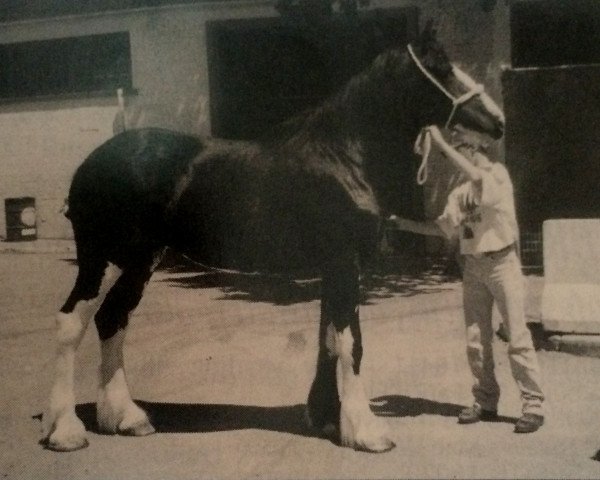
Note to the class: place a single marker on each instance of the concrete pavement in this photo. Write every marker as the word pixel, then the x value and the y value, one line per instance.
pixel 224 367
pixel 577 344
pixel 41 245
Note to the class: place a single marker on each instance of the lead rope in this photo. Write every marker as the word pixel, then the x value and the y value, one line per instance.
pixel 221 270
pixel 254 274
pixel 423 148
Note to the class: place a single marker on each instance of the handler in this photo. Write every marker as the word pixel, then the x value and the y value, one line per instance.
pixel 482 212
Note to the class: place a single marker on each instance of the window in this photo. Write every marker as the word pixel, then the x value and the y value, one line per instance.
pixel 555 32
pixel 91 63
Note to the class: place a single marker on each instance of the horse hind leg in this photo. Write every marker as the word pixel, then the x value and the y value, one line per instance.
pixel 62 429
pixel 116 410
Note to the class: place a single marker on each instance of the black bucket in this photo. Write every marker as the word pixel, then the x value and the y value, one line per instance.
pixel 21 219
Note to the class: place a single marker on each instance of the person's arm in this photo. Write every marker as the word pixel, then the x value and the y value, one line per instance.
pixel 459 160
pixel 422 228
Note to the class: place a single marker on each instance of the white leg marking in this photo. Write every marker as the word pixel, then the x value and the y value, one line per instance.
pixel 359 427
pixel 116 411
pixel 61 428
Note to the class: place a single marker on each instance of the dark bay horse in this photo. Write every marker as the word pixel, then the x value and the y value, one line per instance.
pixel 309 195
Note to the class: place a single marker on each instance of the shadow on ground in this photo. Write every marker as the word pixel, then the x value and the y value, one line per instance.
pixel 206 418
pixel 403 406
pixel 376 283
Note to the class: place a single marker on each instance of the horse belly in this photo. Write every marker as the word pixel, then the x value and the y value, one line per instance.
pixel 233 237
pixel 229 217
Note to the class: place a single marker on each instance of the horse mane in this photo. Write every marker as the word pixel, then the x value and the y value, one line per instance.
pixel 365 97
pixel 337 113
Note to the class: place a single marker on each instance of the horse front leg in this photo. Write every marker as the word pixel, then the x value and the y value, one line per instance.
pixel 341 341
pixel 323 405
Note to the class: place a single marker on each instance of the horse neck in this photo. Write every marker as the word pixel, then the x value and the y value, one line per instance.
pixel 359 113
pixel 385 129
pixel 371 114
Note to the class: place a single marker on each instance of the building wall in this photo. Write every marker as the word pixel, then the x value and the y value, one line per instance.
pixel 42 142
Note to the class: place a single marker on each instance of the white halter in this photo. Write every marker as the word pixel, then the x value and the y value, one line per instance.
pixel 476 89
pixel 423 142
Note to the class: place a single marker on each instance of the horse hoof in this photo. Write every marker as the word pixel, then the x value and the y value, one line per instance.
pixel 65 445
pixel 64 434
pixel 374 445
pixel 380 446
pixel 139 429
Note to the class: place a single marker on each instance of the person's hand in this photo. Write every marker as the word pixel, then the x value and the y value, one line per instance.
pixel 436 135
pixel 468 201
pixel 399 223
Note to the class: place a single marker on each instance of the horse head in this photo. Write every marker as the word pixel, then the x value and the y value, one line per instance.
pixel 447 95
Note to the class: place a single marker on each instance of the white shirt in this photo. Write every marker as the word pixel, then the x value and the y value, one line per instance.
pixel 484 218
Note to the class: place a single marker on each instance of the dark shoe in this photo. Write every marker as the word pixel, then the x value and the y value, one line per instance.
pixel 502 333
pixel 529 423
pixel 475 414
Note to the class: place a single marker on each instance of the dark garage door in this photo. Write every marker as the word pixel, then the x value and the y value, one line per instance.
pixel 262 71
pixel 552 105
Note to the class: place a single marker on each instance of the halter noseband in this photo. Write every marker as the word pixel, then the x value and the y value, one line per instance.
pixel 477 89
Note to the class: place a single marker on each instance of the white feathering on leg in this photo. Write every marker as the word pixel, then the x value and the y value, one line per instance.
pixel 359 427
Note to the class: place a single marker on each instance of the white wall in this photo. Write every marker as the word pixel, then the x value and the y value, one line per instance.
pixel 42 142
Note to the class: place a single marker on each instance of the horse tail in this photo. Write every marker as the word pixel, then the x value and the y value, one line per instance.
pixel 65 208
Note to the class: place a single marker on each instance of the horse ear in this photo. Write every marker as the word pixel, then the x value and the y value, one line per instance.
pixel 432 54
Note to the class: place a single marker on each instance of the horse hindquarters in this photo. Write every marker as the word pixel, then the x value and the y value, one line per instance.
pixel 117 204
pixel 339 400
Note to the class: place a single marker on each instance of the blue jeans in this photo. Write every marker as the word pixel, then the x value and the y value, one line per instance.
pixel 498 277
